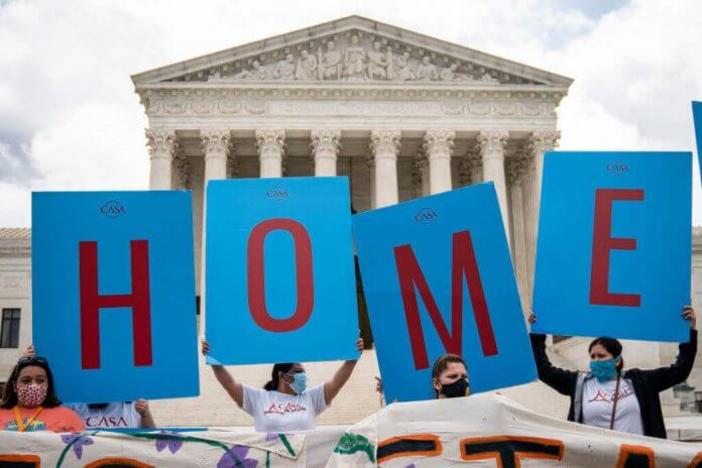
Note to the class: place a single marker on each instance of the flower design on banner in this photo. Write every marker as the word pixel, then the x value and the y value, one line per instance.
pixel 236 458
pixel 171 442
pixel 76 441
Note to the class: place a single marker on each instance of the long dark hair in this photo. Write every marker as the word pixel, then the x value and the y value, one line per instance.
pixel 613 347
pixel 275 379
pixel 9 393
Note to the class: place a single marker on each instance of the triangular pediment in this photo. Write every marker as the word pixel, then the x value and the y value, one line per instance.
pixel 351 50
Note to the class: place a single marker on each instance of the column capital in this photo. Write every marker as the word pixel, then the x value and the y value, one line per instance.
pixel 540 142
pixel 325 142
pixel 439 143
pixel 268 141
pixel 216 143
pixel 491 142
pixel 385 143
pixel 161 143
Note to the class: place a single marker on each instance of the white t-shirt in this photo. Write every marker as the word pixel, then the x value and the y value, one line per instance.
pixel 274 411
pixel 119 414
pixel 598 399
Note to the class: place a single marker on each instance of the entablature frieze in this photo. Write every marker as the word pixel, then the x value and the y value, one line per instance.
pixel 361 102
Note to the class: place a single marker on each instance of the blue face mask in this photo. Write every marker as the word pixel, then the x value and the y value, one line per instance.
pixel 604 370
pixel 299 384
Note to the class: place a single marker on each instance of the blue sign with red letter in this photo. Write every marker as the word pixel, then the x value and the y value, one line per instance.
pixel 113 294
pixel 697 118
pixel 438 279
pixel 613 253
pixel 281 283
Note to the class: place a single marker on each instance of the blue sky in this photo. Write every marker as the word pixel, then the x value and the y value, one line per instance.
pixel 69 118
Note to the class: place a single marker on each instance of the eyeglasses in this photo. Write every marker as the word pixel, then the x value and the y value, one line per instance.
pixel 32 359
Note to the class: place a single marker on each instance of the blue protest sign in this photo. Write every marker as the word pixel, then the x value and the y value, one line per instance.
pixel 280 275
pixel 113 294
pixel 697 118
pixel 613 253
pixel 438 279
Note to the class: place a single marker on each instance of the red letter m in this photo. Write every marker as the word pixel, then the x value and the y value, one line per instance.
pixel 463 264
pixel 91 302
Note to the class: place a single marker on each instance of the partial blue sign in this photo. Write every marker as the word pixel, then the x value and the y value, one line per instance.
pixel 281 283
pixel 113 294
pixel 438 279
pixel 613 253
pixel 697 117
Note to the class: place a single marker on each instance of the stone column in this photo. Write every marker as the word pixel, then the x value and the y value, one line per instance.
pixel 492 149
pixel 438 146
pixel 216 146
pixel 537 145
pixel 385 146
pixel 517 167
pixel 163 147
pixel 325 149
pixel 529 203
pixel 271 148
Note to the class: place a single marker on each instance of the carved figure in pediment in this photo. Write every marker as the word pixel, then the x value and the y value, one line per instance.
pixel 257 72
pixel 329 63
pixel 378 62
pixel 286 68
pixel 449 73
pixel 427 71
pixel 306 67
pixel 354 61
pixel 402 69
pixel 488 78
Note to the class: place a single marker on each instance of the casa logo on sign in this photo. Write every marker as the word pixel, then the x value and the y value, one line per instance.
pixel 112 209
pixel 425 216
pixel 277 193
pixel 617 168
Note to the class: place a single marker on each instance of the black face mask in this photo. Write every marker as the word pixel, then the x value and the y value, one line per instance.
pixel 97 406
pixel 457 389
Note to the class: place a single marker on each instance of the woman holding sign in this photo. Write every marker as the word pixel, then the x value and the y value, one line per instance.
pixel 29 402
pixel 285 404
pixel 609 396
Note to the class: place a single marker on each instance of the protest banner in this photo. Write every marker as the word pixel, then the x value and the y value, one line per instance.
pixel 614 240
pixel 697 120
pixel 280 283
pixel 113 294
pixel 438 279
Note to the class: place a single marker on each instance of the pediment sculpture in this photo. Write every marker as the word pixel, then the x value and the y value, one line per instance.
pixel 355 58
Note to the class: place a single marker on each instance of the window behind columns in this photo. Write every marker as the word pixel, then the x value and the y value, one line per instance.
pixel 9 329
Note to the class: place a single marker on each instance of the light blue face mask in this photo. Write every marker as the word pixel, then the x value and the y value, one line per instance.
pixel 604 370
pixel 299 383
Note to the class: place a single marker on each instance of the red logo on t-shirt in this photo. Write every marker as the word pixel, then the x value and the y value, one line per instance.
pixel 285 408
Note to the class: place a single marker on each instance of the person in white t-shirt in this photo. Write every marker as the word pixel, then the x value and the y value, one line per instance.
pixel 116 415
pixel 285 404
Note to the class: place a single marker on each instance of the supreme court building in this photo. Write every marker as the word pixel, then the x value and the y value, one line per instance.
pixel 400 114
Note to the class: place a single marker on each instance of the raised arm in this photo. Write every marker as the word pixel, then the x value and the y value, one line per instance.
pixel 561 380
pixel 341 376
pixel 147 420
pixel 665 377
pixel 225 379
